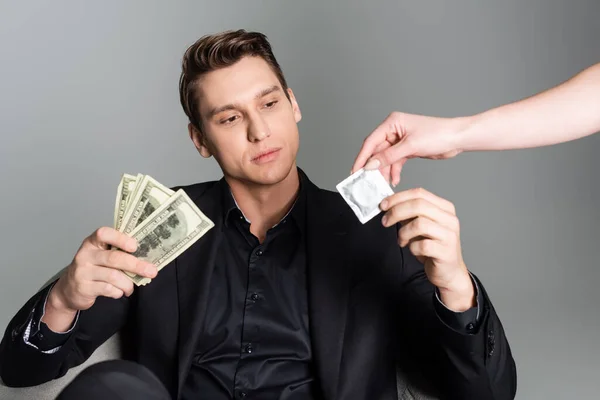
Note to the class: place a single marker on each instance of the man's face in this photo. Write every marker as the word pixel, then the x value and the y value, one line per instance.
pixel 249 125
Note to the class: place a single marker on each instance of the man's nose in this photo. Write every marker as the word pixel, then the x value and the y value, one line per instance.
pixel 258 129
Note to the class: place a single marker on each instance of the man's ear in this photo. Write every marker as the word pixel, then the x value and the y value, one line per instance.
pixel 295 106
pixel 199 141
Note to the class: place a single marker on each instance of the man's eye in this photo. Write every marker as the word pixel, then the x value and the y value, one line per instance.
pixel 271 104
pixel 229 120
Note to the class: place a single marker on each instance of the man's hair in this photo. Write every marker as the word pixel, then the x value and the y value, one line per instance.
pixel 213 52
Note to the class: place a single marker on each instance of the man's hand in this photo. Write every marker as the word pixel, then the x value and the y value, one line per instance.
pixel 431 231
pixel 402 136
pixel 95 271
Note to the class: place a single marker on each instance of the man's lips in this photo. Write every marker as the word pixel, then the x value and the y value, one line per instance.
pixel 264 155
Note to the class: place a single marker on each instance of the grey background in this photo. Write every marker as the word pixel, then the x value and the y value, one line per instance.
pixel 88 90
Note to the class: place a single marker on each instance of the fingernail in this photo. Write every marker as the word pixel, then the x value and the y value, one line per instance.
pixel 384 220
pixel 372 164
pixel 384 204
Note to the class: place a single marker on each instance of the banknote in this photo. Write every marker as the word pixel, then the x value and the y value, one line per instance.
pixel 124 194
pixel 363 191
pixel 148 196
pixel 169 231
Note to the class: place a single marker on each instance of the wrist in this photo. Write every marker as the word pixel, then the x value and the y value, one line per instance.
pixel 58 317
pixel 56 302
pixel 460 295
pixel 463 126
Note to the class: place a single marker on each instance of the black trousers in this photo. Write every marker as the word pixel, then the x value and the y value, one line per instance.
pixel 115 379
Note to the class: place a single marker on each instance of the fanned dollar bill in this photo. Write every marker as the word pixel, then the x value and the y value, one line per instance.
pixel 148 196
pixel 168 232
pixel 165 223
pixel 125 191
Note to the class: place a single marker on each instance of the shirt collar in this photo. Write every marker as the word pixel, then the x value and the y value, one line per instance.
pixel 297 212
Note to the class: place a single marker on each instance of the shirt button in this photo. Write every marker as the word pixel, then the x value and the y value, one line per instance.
pixel 254 297
pixel 40 335
pixel 470 326
pixel 242 395
pixel 248 349
pixel 259 253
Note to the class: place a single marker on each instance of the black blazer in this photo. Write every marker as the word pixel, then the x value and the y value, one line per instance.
pixel 370 306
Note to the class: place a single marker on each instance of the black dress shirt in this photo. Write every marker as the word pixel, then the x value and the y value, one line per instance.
pixel 255 342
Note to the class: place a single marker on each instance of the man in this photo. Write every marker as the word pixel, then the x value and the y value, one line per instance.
pixel 288 296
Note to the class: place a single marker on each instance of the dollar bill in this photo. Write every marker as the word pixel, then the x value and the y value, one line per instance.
pixel 148 197
pixel 134 186
pixel 169 231
pixel 124 194
pixel 363 191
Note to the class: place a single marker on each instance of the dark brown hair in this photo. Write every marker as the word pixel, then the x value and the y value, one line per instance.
pixel 212 52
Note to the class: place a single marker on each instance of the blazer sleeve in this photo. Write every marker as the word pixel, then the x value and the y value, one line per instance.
pixel 23 365
pixel 471 364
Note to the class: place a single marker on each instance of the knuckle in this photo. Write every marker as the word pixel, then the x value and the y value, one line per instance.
pixel 114 275
pixel 101 233
pixel 456 224
pixel 77 274
pixel 456 237
pixel 139 268
pixel 80 258
pixel 132 263
pixel 420 224
pixel 107 288
pixel 447 237
pixel 419 203
pixel 114 258
pixel 419 191
pixel 425 246
pixel 415 247
pixel 452 207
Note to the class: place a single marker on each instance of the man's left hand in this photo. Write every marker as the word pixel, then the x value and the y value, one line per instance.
pixel 431 230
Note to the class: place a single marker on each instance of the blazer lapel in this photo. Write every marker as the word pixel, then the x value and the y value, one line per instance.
pixel 194 268
pixel 328 286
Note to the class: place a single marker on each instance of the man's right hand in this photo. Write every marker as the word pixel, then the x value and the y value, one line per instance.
pixel 95 271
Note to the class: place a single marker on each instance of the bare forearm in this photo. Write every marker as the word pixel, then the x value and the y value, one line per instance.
pixel 566 112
